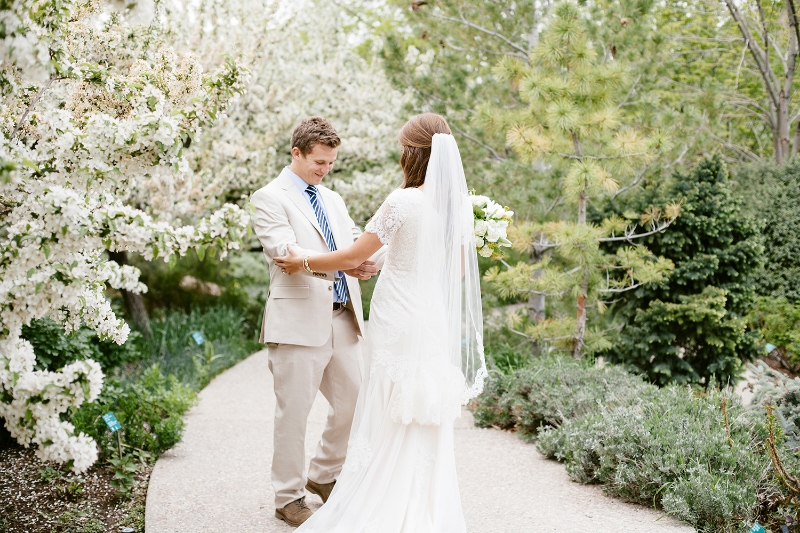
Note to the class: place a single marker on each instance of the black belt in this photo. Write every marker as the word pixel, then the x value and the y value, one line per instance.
pixel 338 305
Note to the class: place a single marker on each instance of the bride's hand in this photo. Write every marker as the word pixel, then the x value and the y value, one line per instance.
pixel 290 264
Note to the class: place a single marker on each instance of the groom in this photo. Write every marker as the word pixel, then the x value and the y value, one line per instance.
pixel 312 323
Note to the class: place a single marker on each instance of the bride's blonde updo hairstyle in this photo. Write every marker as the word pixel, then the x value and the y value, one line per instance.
pixel 416 139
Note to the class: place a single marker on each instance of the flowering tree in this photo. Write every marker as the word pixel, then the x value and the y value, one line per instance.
pixel 96 112
pixel 304 60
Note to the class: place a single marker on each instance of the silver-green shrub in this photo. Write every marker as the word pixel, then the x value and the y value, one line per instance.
pixel 670 447
pixel 776 389
pixel 667 447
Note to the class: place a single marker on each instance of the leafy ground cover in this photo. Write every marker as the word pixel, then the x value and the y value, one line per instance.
pixel 150 383
pixel 695 453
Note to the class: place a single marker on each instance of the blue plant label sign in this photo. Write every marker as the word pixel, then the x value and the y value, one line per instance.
pixel 769 347
pixel 112 422
pixel 757 528
pixel 198 338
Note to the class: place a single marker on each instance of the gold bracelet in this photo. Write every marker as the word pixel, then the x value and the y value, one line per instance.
pixel 306 267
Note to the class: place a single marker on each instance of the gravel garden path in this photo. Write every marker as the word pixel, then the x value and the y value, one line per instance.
pixel 217 479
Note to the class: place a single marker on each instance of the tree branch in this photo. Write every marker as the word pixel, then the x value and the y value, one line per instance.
pixel 30 107
pixel 770 81
pixel 741 150
pixel 598 157
pixel 792 7
pixel 522 51
pixel 495 155
pixel 624 289
pixel 631 235
pixel 630 92
pixel 632 184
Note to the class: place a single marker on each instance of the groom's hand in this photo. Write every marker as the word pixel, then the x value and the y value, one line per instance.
pixel 364 271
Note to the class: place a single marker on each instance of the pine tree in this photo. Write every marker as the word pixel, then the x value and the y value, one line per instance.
pixel 692 325
pixel 573 122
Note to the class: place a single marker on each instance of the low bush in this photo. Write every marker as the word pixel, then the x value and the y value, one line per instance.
pixel 150 395
pixel 55 349
pixel 149 409
pixel 783 393
pixel 670 447
pixel 229 338
pixel 778 323
pixel 550 391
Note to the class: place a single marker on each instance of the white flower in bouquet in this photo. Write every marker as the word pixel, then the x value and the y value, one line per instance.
pixel 491 224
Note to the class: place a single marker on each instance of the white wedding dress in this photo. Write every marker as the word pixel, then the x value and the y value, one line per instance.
pixel 400 471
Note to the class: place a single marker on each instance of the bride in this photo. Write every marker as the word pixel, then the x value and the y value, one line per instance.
pixel 426 348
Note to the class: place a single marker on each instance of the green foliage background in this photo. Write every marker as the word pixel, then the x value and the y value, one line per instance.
pixel 771 194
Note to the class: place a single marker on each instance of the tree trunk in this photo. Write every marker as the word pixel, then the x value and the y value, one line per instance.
pixel 783 128
pixel 134 302
pixel 580 330
pixel 536 303
pixel 796 145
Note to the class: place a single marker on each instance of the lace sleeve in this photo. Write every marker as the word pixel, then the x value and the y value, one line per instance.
pixel 387 220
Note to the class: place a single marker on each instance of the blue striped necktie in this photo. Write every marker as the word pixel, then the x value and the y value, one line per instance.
pixel 339 286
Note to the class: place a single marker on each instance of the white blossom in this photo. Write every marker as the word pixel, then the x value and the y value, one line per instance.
pixel 98 164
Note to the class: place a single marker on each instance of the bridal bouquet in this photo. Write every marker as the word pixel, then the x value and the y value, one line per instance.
pixel 491 223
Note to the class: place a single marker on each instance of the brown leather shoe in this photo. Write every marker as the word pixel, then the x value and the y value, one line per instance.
pixel 295 513
pixel 323 491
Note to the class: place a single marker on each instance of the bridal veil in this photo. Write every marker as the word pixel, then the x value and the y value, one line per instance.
pixel 444 340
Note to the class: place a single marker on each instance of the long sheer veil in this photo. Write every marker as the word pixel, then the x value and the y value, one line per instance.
pixel 444 342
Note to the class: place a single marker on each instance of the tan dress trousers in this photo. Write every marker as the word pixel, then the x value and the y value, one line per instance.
pixel 335 369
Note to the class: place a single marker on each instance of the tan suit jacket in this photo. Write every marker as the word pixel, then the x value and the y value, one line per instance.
pixel 298 309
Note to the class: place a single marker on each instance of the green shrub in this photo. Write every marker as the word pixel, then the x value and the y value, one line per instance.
pixel 149 409
pixel 150 395
pixel 771 193
pixel 778 322
pixel 667 447
pixel 670 447
pixel 171 347
pixel 692 327
pixel 243 278
pixel 550 391
pixel 367 288
pixel 54 348
pixel 507 358
pixel 489 409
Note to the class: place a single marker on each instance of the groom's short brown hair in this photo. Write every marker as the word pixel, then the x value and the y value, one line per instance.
pixel 313 131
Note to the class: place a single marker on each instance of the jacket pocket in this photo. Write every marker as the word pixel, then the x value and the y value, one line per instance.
pixel 289 291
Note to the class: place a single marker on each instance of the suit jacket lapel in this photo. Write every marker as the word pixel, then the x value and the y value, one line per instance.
pixel 296 197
